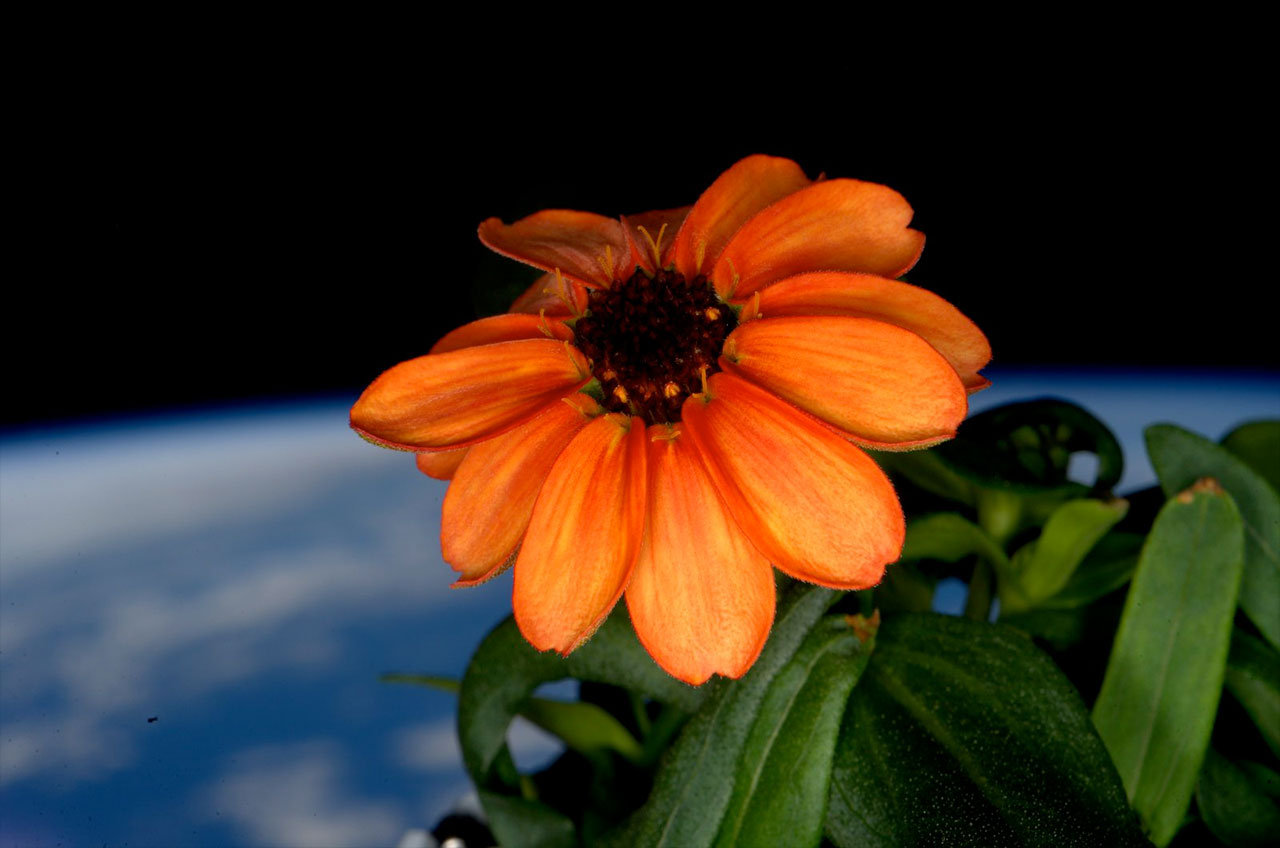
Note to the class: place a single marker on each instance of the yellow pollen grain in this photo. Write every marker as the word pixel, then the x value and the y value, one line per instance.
pixel 712 313
pixel 620 393
pixel 670 390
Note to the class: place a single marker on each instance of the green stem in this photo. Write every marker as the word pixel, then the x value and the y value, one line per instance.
pixel 978 603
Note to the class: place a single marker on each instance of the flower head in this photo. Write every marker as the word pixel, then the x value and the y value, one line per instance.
pixel 679 402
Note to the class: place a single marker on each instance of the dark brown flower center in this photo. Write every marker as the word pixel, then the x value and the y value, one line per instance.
pixel 649 339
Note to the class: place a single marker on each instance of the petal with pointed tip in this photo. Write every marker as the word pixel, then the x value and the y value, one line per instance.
pixel 455 399
pixel 868 296
pixel 809 500
pixel 879 383
pixel 838 225
pixel 487 508
pixel 701 596
pixel 513 326
pixel 661 226
pixel 584 535
pixel 737 194
pixel 441 464
pixel 580 244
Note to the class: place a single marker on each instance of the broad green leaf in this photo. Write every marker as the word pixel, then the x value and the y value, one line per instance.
pixel 521 823
pixel 1233 807
pixel 780 791
pixel 1044 566
pixel 1258 444
pixel 949 537
pixel 1253 678
pixel 926 469
pixel 964 733
pixel 696 777
pixel 1027 447
pixel 1164 677
pixel 585 728
pixel 505 670
pixel 1107 567
pixel 1180 458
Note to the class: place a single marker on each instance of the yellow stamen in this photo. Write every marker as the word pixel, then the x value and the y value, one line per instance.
pixel 620 393
pixel 712 313
pixel 543 325
pixel 655 247
pixel 702 372
pixel 668 432
pixel 671 389
pixel 606 261
pixel 752 310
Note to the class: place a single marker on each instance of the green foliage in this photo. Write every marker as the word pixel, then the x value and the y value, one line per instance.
pixel 1180 458
pixel 1160 694
pixel 928 729
pixel 963 733
pixel 1258 444
pixel 1042 568
pixel 1235 805
pixel 693 792
pixel 1253 678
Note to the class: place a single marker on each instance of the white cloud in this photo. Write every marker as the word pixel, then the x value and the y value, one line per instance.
pixel 296 794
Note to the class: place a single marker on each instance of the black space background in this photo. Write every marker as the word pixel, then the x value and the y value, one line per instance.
pixel 251 220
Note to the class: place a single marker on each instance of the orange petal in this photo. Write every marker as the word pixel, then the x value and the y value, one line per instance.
pixel 809 500
pixel 736 195
pixel 585 247
pixel 487 508
pixel 584 535
pixel 701 595
pixel 551 296
pixel 661 226
pixel 838 225
pixel 503 328
pixel 879 383
pixel 441 464
pixel 455 399
pixel 867 296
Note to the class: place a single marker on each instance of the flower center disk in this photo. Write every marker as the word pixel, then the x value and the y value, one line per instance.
pixel 650 339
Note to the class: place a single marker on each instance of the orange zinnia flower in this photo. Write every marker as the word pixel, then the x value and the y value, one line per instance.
pixel 666 416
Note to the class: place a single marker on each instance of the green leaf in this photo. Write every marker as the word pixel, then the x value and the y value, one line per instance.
pixel 505 670
pixel 1106 568
pixel 948 537
pixel 586 728
pixel 782 782
pixel 1160 694
pixel 1180 458
pixel 1043 567
pixel 1253 678
pixel 1027 447
pixel 1258 444
pixel 431 681
pixel 1233 807
pixel 926 469
pixel 964 733
pixel 693 788
pixel 521 823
